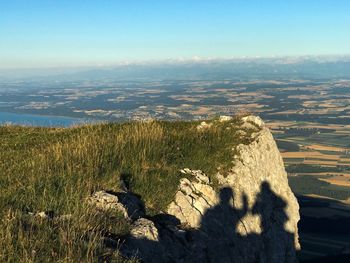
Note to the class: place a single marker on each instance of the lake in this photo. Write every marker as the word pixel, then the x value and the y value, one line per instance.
pixel 38 120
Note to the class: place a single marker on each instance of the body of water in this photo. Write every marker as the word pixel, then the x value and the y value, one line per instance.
pixel 38 120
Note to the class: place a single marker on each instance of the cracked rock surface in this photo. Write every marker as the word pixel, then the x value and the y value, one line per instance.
pixel 193 199
pixel 250 215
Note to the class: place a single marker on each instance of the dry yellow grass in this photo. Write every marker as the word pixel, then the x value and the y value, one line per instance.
pixel 284 112
pixel 310 155
pixel 253 105
pixel 325 174
pixel 319 147
pixel 303 97
pixel 321 162
pixel 338 180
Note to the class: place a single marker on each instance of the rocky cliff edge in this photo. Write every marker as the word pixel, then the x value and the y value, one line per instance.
pixel 246 214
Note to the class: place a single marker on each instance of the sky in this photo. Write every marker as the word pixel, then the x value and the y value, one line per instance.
pixel 70 33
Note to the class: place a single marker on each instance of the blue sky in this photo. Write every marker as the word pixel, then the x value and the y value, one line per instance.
pixel 49 33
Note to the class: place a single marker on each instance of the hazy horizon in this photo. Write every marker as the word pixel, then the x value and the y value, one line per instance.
pixel 291 66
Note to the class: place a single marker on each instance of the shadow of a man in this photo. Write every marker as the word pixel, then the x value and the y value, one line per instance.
pixel 218 227
pixel 277 241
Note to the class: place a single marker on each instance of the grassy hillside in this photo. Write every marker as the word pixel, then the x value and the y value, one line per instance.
pixel 55 169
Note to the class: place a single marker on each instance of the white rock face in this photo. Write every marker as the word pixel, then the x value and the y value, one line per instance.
pixel 260 193
pixel 250 215
pixel 193 199
pixel 261 162
pixel 254 119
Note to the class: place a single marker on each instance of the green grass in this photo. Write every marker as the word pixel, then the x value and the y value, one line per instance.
pixel 55 169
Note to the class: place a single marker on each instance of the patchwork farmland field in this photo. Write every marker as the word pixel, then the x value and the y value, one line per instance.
pixel 305 150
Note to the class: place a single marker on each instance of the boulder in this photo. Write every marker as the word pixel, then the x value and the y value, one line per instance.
pixel 124 202
pixel 144 228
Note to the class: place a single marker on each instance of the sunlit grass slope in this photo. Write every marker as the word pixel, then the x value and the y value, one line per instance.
pixel 55 169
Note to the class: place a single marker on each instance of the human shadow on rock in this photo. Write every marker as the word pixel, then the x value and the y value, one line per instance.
pixel 277 244
pixel 218 239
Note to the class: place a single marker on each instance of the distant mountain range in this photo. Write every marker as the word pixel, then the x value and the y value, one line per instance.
pixel 196 68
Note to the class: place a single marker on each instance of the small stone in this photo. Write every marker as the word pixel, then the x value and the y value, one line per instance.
pixel 50 215
pixel 204 126
pixel 187 170
pixel 42 215
pixel 225 118
pixel 182 171
pixel 144 228
pixel 126 203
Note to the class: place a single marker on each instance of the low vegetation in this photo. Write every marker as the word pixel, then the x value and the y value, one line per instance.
pixel 55 169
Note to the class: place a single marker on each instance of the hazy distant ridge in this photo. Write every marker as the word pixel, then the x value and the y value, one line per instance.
pixel 308 67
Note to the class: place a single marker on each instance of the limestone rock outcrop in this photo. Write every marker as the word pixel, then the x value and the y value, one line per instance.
pixel 260 164
pixel 249 215
pixel 256 164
